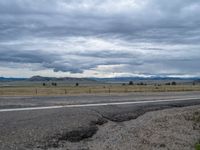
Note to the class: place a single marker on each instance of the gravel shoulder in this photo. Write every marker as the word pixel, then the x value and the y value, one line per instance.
pixel 170 129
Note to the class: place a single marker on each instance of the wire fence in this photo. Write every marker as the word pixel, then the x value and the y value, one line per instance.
pixel 34 91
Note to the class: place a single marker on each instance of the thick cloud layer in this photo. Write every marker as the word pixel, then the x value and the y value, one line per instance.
pixel 100 37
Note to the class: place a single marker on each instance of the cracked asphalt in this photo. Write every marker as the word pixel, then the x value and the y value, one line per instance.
pixel 44 129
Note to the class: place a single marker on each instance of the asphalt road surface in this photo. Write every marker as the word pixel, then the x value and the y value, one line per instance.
pixel 47 122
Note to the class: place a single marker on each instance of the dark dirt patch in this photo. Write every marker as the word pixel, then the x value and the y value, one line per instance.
pixel 134 114
pixel 79 134
pixel 76 135
pixel 99 121
pixel 126 116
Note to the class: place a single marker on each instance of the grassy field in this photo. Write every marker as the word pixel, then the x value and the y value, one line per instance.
pixel 92 89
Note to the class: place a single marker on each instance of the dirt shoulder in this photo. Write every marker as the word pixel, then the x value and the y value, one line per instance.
pixel 170 129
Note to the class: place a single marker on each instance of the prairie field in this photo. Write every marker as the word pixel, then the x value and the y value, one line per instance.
pixel 91 89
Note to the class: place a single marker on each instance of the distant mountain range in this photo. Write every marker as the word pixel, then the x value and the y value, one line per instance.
pixel 40 78
pixel 45 79
pixel 3 79
pixel 116 79
pixel 127 79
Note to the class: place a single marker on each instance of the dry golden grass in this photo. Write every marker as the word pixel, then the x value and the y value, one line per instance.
pixel 70 90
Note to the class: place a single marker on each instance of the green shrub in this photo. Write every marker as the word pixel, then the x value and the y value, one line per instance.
pixel 197 146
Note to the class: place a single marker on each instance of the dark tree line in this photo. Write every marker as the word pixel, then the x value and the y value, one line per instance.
pixel 53 84
pixel 131 83
pixel 171 83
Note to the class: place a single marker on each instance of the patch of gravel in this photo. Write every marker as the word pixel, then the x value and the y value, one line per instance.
pixel 170 129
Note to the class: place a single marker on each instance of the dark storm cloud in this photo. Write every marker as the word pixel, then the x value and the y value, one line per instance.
pixel 162 24
pixel 72 62
pixel 45 59
pixel 18 56
pixel 157 21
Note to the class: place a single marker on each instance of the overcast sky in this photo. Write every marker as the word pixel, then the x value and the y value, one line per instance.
pixel 99 38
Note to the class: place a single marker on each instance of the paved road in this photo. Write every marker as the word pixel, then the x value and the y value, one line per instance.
pixel 46 122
